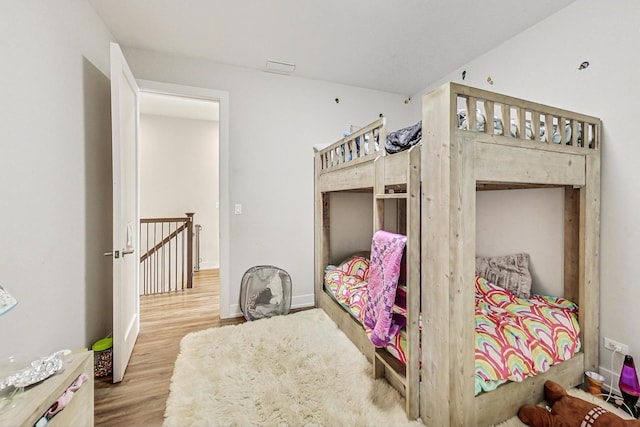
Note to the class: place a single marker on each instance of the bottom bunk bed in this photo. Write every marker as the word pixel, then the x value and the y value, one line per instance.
pixel 516 338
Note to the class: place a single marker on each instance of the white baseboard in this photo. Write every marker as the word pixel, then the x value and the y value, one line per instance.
pixel 209 265
pixel 303 301
pixel 234 311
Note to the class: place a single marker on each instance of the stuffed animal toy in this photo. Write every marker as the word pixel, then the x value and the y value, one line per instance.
pixel 569 411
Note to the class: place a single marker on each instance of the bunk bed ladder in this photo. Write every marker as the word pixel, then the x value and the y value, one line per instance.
pixel 407 377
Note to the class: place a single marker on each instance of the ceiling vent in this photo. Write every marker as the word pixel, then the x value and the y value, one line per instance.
pixel 279 67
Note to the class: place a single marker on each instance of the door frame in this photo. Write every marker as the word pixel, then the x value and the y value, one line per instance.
pixel 222 97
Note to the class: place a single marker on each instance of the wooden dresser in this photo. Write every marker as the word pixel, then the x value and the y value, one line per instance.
pixel 28 407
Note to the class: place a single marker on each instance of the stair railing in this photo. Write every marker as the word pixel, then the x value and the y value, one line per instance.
pixel 196 268
pixel 166 264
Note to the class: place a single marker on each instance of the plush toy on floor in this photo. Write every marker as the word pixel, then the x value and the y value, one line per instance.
pixel 569 411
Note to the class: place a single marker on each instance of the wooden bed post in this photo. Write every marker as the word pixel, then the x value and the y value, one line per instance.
pixel 322 228
pixel 435 171
pixel 448 265
pixel 589 298
pixel 462 282
pixel 571 243
pixel 412 218
pixel 378 192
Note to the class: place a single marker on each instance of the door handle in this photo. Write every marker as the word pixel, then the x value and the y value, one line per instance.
pixel 117 253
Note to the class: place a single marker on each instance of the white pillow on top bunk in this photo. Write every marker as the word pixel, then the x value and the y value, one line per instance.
pixel 510 272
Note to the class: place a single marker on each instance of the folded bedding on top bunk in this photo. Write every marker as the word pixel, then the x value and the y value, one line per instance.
pixel 515 337
pixel 498 128
pixel 404 138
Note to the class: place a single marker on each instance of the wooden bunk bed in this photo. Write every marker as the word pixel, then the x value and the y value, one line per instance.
pixel 439 179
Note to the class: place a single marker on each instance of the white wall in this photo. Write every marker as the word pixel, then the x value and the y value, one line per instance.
pixel 351 223
pixel 179 174
pixel 531 221
pixel 275 121
pixel 55 187
pixel 541 64
pixel 351 216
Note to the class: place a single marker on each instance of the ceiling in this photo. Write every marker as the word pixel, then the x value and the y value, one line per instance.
pixel 399 46
pixel 159 104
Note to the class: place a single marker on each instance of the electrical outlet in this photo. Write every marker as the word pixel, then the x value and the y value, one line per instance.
pixel 615 345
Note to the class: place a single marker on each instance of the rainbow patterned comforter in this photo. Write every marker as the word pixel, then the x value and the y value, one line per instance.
pixel 515 338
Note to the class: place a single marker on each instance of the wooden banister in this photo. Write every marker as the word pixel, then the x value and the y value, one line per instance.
pixel 190 249
pixel 163 241
pixel 163 268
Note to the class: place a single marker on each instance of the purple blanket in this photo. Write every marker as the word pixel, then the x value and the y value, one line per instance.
pixel 386 255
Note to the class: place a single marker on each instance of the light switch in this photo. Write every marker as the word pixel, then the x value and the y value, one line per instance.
pixel 238 209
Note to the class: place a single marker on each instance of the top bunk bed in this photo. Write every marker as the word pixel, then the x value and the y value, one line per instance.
pixel 518 124
pixel 508 143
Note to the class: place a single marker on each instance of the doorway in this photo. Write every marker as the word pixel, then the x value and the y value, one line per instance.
pixel 183 166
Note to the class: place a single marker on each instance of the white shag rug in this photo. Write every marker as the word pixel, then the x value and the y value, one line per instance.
pixel 293 370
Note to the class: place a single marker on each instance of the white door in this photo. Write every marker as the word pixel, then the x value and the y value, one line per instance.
pixel 126 213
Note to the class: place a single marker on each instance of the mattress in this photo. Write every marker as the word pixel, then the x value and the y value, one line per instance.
pixel 516 338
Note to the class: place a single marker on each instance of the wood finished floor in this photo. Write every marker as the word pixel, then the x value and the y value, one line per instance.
pixel 139 400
